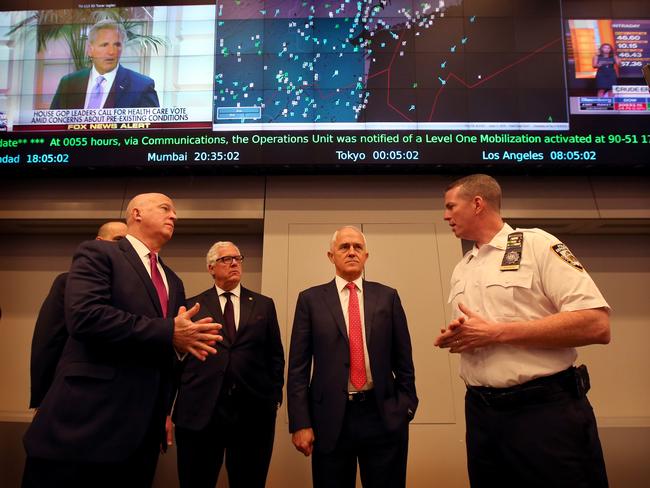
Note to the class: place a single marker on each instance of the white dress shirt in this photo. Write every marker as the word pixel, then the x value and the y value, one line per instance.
pixel 344 296
pixel 143 252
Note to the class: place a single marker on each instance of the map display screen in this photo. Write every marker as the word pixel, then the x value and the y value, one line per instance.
pixel 389 65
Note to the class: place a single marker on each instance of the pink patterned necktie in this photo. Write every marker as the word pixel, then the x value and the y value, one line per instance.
pixel 158 282
pixel 357 362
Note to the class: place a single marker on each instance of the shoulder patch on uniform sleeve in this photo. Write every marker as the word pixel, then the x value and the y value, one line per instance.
pixel 564 253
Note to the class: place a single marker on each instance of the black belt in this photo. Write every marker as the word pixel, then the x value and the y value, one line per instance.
pixel 572 381
pixel 361 396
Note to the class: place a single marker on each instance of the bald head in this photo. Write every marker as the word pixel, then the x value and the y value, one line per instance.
pixel 112 231
pixel 151 218
pixel 141 201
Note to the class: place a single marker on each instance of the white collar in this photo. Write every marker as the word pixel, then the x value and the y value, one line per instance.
pixel 235 291
pixel 140 247
pixel 499 241
pixel 341 283
pixel 109 76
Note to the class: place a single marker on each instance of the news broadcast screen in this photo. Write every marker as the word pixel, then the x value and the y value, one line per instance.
pixel 161 73
pixel 605 58
pixel 393 84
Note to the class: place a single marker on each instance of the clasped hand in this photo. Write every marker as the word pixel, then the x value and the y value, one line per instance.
pixel 198 337
pixel 467 332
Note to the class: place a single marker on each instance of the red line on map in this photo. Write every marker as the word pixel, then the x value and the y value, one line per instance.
pixel 490 76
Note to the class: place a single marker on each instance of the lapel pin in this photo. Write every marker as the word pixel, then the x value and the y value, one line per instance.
pixel 250 299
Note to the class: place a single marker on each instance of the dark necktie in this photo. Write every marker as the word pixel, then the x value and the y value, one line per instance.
pixel 357 361
pixel 158 282
pixel 229 317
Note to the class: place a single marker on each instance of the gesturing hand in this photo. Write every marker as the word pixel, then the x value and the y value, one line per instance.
pixel 467 333
pixel 198 337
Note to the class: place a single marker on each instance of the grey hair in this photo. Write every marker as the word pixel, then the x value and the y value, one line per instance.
pixel 106 24
pixel 211 257
pixel 336 235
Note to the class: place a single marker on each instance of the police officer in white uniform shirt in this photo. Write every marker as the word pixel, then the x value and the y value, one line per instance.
pixel 521 304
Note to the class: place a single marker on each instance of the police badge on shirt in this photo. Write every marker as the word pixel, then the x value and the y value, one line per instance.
pixel 512 255
pixel 564 253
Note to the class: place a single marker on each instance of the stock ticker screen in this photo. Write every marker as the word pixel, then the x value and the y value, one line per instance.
pixel 327 84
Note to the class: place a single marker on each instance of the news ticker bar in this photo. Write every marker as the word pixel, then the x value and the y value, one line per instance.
pixel 322 148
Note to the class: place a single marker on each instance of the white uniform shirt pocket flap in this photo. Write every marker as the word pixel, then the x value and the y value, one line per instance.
pixel 457 288
pixel 507 279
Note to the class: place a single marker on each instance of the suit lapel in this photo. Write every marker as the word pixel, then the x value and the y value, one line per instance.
pixel 246 305
pixel 135 261
pixel 369 307
pixel 172 306
pixel 78 90
pixel 211 300
pixel 120 86
pixel 333 302
pixel 214 305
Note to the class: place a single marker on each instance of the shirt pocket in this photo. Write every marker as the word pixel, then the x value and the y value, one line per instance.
pixel 505 292
pixel 456 293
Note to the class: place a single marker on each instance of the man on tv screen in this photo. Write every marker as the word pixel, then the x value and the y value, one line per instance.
pixel 106 84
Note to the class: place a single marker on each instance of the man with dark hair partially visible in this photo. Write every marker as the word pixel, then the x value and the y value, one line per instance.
pixel 521 303
pixel 50 332
pixel 106 84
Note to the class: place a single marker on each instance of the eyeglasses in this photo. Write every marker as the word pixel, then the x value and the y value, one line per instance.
pixel 229 259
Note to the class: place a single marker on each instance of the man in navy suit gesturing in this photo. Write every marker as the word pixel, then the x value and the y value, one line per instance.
pixel 102 421
pixel 107 84
pixel 351 380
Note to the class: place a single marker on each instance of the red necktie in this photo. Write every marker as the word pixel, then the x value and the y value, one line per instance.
pixel 357 363
pixel 158 282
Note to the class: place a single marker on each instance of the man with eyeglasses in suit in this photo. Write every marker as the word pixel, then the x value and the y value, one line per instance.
pixel 228 406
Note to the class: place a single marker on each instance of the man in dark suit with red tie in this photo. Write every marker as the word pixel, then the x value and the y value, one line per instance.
pixel 102 421
pixel 228 404
pixel 351 381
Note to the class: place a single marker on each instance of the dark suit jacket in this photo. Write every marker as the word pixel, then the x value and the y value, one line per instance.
pixel 255 360
pixel 48 340
pixel 130 89
pixel 318 399
pixel 115 375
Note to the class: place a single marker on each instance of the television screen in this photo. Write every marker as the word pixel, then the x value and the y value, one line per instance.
pixel 394 83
